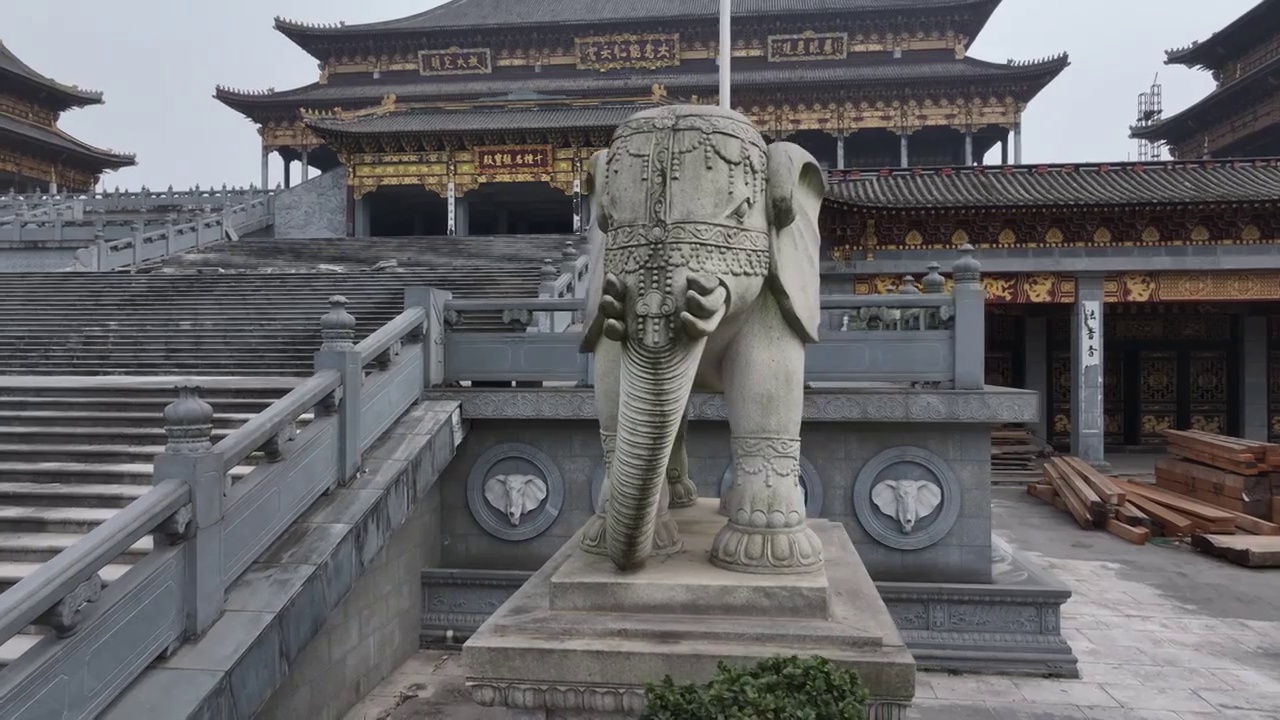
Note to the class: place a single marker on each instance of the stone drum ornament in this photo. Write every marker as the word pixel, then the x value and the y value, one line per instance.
pixel 704 274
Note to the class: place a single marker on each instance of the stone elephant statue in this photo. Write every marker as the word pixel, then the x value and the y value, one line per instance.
pixel 704 274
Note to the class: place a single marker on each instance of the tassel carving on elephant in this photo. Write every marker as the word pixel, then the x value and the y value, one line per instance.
pixel 704 275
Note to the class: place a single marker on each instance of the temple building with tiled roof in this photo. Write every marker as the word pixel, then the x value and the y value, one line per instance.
pixel 1241 117
pixel 1134 297
pixel 429 113
pixel 35 155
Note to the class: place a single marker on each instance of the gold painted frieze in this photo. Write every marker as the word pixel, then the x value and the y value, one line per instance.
pixel 640 52
pixel 455 61
pixel 808 46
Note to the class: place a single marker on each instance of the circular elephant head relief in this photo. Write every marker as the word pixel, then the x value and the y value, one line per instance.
pixel 515 492
pixel 810 485
pixel 906 498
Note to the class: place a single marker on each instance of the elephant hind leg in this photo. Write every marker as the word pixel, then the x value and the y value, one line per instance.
pixel 683 492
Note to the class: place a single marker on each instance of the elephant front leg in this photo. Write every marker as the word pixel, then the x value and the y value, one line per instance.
pixel 683 492
pixel 766 530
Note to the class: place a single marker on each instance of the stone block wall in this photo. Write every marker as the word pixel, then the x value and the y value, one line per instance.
pixel 836 453
pixel 371 632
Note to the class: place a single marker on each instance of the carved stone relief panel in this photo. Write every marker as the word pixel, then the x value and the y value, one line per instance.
pixel 906 498
pixel 515 492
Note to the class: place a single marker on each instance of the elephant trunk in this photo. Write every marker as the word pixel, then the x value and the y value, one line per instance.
pixel 655 386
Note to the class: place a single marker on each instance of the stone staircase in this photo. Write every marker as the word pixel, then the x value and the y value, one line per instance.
pixel 355 253
pixel 72 454
pixel 213 324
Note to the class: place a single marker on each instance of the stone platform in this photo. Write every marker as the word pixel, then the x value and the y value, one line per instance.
pixel 580 640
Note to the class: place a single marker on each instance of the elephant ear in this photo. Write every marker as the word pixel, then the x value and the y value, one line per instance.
pixel 535 491
pixel 884 497
pixel 593 185
pixel 796 188
pixel 495 491
pixel 928 498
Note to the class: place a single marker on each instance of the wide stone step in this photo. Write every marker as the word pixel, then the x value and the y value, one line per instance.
pixel 132 473
pixel 13 572
pixel 52 519
pixel 44 546
pixel 95 495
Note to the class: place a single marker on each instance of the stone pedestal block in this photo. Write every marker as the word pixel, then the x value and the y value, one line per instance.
pixel 580 640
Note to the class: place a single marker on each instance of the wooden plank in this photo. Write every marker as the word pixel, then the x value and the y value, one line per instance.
pixel 1131 515
pixel 1182 504
pixel 1247 466
pixel 1042 491
pixel 1075 506
pixel 1102 485
pixel 1135 535
pixel 1098 509
pixel 1247 550
pixel 1169 521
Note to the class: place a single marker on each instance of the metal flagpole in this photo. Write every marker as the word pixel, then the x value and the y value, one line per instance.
pixel 726 50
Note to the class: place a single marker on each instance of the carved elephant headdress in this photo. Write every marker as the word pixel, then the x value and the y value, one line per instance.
pixel 907 501
pixel 515 495
pixel 772 192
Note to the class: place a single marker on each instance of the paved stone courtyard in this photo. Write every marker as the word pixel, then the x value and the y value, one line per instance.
pixel 1162 633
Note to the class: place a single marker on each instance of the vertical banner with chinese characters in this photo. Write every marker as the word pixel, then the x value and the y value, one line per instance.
pixel 1090 334
pixel 808 46
pixel 456 61
pixel 514 158
pixel 614 52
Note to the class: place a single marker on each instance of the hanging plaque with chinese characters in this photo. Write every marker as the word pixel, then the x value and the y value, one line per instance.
pixel 514 158
pixel 808 46
pixel 456 61
pixel 1090 333
pixel 614 52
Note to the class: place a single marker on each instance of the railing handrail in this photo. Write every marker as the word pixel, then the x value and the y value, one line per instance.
pixel 535 304
pixel 849 302
pixel 242 441
pixel 22 604
pixel 385 336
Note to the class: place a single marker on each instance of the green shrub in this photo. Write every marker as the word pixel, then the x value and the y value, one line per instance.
pixel 775 689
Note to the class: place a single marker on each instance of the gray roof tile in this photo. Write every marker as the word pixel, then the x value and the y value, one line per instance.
pixel 63 142
pixel 494 13
pixel 480 120
pixel 676 82
pixel 1161 183
pixel 70 96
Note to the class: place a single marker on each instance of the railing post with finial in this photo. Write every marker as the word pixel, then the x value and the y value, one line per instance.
pixel 934 283
pixel 189 456
pixel 338 352
pixel 546 289
pixel 431 300
pixel 908 286
pixel 99 248
pixel 970 327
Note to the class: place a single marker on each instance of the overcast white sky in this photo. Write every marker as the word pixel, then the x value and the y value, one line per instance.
pixel 158 61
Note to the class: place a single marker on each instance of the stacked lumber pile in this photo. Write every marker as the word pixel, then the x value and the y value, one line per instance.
pixel 1014 451
pixel 1137 512
pixel 1225 472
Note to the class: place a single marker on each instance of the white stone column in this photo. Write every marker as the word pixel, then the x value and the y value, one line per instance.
pixel 463 223
pixel 1017 143
pixel 1254 422
pixel 266 168
pixel 306 166
pixel 906 154
pixel 968 147
pixel 1087 419
pixel 840 151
